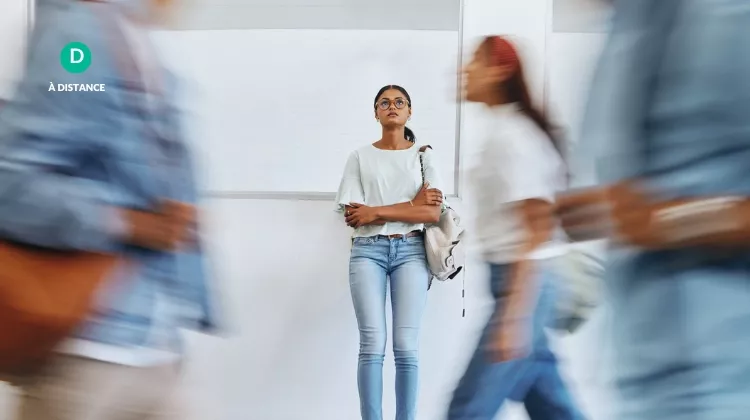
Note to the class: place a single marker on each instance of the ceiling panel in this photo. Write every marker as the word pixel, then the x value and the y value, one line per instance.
pixel 580 16
pixel 318 14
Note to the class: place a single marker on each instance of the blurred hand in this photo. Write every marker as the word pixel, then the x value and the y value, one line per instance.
pixel 641 221
pixel 358 215
pixel 632 216
pixel 165 229
pixel 584 215
pixel 621 212
pixel 627 215
pixel 184 218
pixel 511 341
pixel 428 196
pixel 512 336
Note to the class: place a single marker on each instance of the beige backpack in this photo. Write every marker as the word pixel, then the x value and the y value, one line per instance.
pixel 444 247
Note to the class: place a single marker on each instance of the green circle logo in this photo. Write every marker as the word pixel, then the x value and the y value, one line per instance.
pixel 75 57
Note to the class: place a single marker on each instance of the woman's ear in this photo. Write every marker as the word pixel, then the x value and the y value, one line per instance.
pixel 502 72
pixel 506 71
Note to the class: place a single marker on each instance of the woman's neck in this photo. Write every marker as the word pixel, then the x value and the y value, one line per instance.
pixel 495 98
pixel 393 139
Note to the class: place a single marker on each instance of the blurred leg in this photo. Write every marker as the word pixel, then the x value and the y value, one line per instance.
pixel 547 396
pixel 485 386
pixel 82 389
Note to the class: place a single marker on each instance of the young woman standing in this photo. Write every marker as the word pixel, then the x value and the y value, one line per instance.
pixel 384 199
pixel 520 172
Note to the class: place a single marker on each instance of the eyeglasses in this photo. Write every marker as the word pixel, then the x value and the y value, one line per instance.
pixel 399 103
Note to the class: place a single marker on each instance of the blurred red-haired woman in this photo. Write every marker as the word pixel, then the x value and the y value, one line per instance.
pixel 520 172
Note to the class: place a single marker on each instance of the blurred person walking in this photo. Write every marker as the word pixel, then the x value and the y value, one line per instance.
pixel 520 172
pixel 106 172
pixel 668 119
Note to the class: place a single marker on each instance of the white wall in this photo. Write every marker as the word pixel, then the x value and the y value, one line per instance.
pixel 283 268
pixel 238 103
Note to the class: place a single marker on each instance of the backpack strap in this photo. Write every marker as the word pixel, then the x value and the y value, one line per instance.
pixel 463 285
pixel 421 160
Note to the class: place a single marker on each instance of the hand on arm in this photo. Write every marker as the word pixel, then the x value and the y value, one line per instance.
pixel 352 220
pixel 424 208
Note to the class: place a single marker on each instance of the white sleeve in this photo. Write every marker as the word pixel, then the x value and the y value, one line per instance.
pixel 350 188
pixel 431 173
pixel 532 177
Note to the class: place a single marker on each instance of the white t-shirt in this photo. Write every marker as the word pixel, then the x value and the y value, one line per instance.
pixel 518 162
pixel 376 177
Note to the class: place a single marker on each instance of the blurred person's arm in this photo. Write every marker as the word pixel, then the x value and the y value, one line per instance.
pixel 198 291
pixel 514 320
pixel 531 200
pixel 630 216
pixel 537 218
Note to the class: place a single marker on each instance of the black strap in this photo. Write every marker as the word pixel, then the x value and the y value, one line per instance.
pixel 421 160
pixel 421 169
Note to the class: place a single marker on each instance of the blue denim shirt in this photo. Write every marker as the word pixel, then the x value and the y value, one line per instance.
pixel 68 158
pixel 670 105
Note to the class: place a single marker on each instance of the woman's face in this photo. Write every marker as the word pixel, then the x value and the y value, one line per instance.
pixel 392 108
pixel 149 11
pixel 481 80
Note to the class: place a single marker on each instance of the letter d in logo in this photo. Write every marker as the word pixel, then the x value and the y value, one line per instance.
pixel 75 57
pixel 76 52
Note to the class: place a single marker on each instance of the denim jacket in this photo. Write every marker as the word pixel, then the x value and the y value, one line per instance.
pixel 67 158
pixel 670 106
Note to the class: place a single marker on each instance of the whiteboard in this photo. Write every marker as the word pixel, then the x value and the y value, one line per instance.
pixel 280 110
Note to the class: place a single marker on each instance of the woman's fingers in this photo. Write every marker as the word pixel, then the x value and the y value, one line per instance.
pixel 434 196
pixel 353 219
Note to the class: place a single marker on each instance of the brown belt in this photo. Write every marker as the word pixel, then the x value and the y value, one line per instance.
pixel 411 234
